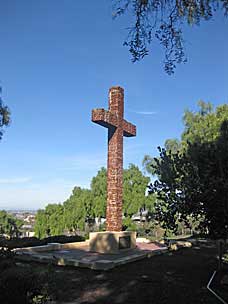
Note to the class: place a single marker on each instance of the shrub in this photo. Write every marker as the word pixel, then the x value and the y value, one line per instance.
pixel 21 242
pixel 33 241
pixel 63 239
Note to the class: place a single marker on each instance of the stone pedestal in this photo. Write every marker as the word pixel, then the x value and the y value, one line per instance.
pixel 112 241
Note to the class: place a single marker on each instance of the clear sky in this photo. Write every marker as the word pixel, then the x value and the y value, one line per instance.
pixel 57 62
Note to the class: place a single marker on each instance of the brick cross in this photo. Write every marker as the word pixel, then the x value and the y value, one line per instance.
pixel 117 128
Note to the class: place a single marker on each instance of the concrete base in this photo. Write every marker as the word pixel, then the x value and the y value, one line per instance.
pixel 112 241
pixel 78 255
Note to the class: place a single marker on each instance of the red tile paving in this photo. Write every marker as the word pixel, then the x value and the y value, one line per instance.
pixel 150 246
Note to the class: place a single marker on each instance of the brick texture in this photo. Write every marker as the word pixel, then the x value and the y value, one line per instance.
pixel 117 128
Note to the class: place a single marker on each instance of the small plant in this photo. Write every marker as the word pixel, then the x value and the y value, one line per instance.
pixel 225 258
pixel 128 224
pixel 41 299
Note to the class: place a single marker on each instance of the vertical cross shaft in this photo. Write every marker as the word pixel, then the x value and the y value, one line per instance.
pixel 117 128
pixel 115 163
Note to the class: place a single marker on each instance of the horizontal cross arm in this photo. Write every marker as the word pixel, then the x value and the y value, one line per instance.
pixel 104 118
pixel 129 129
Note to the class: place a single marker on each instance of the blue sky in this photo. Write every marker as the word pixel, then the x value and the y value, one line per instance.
pixel 57 62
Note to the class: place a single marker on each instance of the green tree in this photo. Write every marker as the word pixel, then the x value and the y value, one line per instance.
pixel 9 225
pixel 173 145
pixel 41 227
pixel 134 190
pixel 50 221
pixel 84 204
pixel 55 219
pixel 4 116
pixel 70 215
pixel 201 126
pixel 163 20
pixel 204 125
pixel 149 163
pixel 193 182
pixel 99 192
pixel 77 209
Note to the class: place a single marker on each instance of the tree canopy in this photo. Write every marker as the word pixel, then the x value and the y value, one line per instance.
pixel 192 182
pixel 134 189
pixel 9 225
pixel 164 20
pixel 78 209
pixel 4 116
pixel 202 126
pixel 99 192
pixel 84 205
pixel 149 163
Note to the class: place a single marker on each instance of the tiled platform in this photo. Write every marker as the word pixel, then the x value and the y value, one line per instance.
pixel 78 255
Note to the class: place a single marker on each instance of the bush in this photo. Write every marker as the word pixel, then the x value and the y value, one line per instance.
pixel 33 241
pixel 63 239
pixel 151 230
pixel 21 242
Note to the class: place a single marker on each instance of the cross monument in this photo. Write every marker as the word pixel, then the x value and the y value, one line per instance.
pixel 113 119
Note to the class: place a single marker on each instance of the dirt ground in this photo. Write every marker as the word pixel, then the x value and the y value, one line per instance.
pixel 177 277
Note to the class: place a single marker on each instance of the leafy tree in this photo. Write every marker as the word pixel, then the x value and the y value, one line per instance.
pixel 41 224
pixel 84 205
pixel 77 209
pixel 173 145
pixel 202 126
pixel 55 217
pixel 70 215
pixel 149 163
pixel 4 116
pixel 164 20
pixel 49 221
pixel 9 225
pixel 193 182
pixel 18 223
pixel 134 189
pixel 99 192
